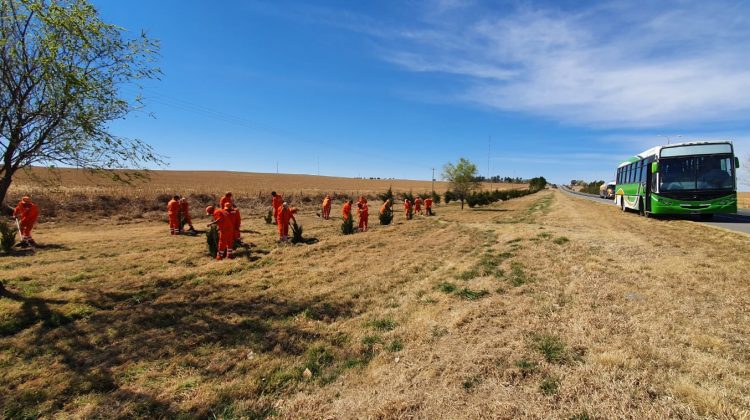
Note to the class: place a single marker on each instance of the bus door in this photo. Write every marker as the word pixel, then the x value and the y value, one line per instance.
pixel 646 183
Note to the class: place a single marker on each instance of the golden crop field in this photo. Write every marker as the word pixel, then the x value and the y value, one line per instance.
pixel 76 193
pixel 531 308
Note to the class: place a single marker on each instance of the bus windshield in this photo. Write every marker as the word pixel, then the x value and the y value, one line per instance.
pixel 708 172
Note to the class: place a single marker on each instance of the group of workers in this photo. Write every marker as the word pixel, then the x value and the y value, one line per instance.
pixel 227 218
pixel 178 212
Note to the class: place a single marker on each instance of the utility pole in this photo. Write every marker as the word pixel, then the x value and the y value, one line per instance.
pixel 489 151
pixel 433 179
pixel 277 167
pixel 318 165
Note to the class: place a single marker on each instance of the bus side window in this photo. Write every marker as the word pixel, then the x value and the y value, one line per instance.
pixel 644 174
pixel 631 173
pixel 638 171
pixel 617 178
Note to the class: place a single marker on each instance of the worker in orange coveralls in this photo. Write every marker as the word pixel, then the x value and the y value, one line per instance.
pixel 234 212
pixel 428 206
pixel 173 213
pixel 363 212
pixel 185 215
pixel 417 205
pixel 346 211
pixel 387 205
pixel 27 213
pixel 407 208
pixel 327 207
pixel 276 202
pixel 228 198
pixel 282 220
pixel 224 220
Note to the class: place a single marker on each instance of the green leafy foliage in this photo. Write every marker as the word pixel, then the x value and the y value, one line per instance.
pixel 462 178
pixel 268 217
pixel 435 197
pixel 386 217
pixel 73 67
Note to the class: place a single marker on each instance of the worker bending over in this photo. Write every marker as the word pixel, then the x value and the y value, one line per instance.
pixel 224 220
pixel 26 213
pixel 283 217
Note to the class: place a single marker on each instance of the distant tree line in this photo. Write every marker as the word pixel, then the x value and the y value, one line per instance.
pixel 588 187
pixel 501 180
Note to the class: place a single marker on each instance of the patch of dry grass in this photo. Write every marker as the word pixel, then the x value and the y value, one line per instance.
pixel 743 200
pixel 648 321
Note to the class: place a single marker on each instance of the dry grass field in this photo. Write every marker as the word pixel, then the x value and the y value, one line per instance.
pixel 546 306
pixel 73 193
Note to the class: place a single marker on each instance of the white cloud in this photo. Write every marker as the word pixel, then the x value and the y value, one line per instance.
pixel 611 66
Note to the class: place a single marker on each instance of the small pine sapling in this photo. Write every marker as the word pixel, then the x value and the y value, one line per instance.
pixel 386 217
pixel 212 240
pixel 347 228
pixel 269 217
pixel 7 237
pixel 297 233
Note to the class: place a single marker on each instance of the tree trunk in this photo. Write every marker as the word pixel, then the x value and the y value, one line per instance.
pixel 462 204
pixel 4 186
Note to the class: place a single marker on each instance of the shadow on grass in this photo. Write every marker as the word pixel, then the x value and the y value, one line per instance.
pixel 138 326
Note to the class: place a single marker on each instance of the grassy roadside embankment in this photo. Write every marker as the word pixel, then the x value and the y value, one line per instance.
pixel 544 306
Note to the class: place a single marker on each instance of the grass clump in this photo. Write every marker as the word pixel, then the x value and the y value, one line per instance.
pixel 550 385
pixel 467 275
pixel 583 415
pixel 384 324
pixel 561 240
pixel 551 347
pixel 527 367
pixel 317 358
pixel 469 294
pixel 395 346
pixel 517 276
pixel 446 287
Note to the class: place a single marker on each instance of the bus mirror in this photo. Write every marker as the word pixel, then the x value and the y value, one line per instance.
pixel 654 167
pixel 736 162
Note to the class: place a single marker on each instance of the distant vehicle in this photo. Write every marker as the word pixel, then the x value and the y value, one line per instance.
pixel 685 178
pixel 607 190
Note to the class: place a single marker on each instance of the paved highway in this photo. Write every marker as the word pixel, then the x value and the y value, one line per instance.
pixel 739 222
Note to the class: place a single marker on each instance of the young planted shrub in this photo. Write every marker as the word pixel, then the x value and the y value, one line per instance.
pixel 449 196
pixel 268 217
pixel 347 228
pixel 297 233
pixel 388 195
pixel 386 217
pixel 435 197
pixel 7 237
pixel 212 240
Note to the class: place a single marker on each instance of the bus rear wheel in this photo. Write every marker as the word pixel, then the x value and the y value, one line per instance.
pixel 706 216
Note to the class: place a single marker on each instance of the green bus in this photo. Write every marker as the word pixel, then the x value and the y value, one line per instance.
pixel 696 178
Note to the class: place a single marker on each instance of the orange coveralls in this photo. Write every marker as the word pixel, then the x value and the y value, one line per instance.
pixel 185 214
pixel 326 207
pixel 363 210
pixel 428 206
pixel 226 199
pixel 225 223
pixel 346 211
pixel 282 220
pixel 276 203
pixel 407 207
pixel 418 205
pixel 27 213
pixel 173 212
pixel 385 206
pixel 236 221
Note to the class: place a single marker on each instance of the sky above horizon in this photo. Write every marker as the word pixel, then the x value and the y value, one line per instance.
pixel 562 89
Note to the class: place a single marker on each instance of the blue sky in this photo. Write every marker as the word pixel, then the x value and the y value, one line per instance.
pixel 565 89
